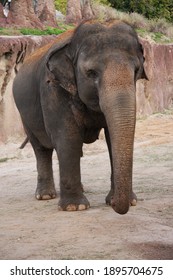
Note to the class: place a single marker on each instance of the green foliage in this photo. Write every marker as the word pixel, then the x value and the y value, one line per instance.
pixel 61 5
pixel 158 37
pixel 149 8
pixel 102 2
pixel 65 27
pixel 9 31
pixel 47 31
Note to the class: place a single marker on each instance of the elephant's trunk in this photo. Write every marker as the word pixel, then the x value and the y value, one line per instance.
pixel 119 107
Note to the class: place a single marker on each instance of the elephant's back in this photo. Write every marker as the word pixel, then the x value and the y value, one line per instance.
pixel 42 52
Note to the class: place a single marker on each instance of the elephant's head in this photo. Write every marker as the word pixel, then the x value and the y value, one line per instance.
pixel 101 63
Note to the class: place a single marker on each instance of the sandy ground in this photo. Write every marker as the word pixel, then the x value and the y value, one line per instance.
pixel 31 229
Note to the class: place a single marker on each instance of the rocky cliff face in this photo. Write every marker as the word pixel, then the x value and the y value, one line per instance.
pixel 29 13
pixel 152 96
pixel 13 51
pixel 156 94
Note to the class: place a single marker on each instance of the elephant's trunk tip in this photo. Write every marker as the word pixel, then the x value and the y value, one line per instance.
pixel 120 208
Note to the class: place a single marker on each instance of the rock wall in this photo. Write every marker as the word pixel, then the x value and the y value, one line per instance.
pixel 29 14
pixel 13 51
pixel 154 95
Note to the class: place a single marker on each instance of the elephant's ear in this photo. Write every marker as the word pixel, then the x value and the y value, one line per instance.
pixel 59 65
pixel 141 73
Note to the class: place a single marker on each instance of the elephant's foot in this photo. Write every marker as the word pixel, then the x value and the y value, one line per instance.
pixel 133 198
pixel 82 187
pixel 108 197
pixel 45 193
pixel 71 203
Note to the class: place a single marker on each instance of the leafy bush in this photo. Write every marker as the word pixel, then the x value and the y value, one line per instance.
pixel 61 5
pixel 148 8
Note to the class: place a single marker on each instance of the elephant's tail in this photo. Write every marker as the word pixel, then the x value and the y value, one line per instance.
pixel 24 143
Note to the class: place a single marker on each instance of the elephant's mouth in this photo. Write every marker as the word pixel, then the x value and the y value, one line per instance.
pixel 93 104
pixel 95 108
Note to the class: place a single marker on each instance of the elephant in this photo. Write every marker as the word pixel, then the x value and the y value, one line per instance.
pixel 66 92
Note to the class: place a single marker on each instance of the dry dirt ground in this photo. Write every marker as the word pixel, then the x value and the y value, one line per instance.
pixel 31 229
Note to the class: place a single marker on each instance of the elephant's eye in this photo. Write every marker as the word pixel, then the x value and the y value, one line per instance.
pixel 91 73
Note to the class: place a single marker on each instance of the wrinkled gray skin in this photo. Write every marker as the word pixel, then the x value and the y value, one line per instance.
pixel 67 92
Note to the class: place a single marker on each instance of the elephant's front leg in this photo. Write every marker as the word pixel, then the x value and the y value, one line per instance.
pixel 71 192
pixel 133 197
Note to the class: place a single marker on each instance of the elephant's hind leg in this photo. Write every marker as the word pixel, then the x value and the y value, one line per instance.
pixel 45 182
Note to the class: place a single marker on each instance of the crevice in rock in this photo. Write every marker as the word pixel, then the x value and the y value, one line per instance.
pixel 8 69
pixel 20 57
